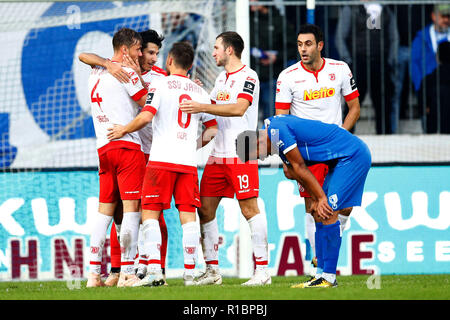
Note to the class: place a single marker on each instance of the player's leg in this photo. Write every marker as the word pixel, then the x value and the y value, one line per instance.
pixel 108 197
pixel 131 170
pixel 164 240
pixel 191 235
pixel 258 228
pixel 245 182
pixel 213 188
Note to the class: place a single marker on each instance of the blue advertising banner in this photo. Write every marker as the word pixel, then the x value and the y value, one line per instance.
pixel 402 226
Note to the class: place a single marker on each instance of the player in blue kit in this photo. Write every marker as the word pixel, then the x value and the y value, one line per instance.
pixel 302 142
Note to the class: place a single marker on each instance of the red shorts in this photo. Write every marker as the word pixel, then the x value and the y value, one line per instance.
pixel 160 185
pixel 227 177
pixel 320 171
pixel 121 172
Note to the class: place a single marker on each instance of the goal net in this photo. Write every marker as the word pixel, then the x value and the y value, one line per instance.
pixel 48 157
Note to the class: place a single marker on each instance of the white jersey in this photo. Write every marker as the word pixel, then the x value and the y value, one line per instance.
pixel 113 102
pixel 174 145
pixel 316 95
pixel 146 133
pixel 243 83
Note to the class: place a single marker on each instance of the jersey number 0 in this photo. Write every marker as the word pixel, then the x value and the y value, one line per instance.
pixel 182 124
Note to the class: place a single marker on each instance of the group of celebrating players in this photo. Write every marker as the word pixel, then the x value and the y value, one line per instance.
pixel 146 121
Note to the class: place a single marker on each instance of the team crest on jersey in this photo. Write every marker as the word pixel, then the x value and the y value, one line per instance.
pixel 232 83
pixel 333 200
pixel 332 76
pixel 223 96
pixel 318 94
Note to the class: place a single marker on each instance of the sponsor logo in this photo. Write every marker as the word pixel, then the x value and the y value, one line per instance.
pixel 318 94
pixel 149 98
pixel 222 96
pixel 102 119
pixel 249 87
pixel 135 80
pixel 300 81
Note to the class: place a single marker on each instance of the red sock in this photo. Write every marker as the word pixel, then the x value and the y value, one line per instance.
pixel 163 227
pixel 115 248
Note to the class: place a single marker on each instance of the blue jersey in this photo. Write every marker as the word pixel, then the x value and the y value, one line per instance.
pixel 348 156
pixel 316 140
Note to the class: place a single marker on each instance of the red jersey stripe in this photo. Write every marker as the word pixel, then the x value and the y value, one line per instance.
pixel 139 94
pixel 282 105
pixel 352 95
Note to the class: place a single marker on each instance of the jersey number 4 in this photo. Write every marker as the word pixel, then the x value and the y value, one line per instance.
pixel 96 98
pixel 182 124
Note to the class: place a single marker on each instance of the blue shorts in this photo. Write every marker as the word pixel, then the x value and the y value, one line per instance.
pixel 344 183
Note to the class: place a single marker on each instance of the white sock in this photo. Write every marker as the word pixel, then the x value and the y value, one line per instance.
pixel 330 277
pixel 191 235
pixel 343 220
pixel 152 244
pixel 310 226
pixel 99 229
pixel 210 243
pixel 142 256
pixel 258 228
pixel 128 240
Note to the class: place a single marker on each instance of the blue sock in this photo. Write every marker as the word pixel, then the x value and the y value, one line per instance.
pixel 319 246
pixel 331 245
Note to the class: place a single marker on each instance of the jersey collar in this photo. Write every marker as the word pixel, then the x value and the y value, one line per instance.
pixel 228 74
pixel 315 73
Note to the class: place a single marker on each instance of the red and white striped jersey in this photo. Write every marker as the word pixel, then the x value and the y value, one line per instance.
pixel 174 145
pixel 316 95
pixel 113 102
pixel 146 133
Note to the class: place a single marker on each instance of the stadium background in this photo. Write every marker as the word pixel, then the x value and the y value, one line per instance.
pixel 48 177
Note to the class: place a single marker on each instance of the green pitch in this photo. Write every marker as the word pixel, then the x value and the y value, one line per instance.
pixel 404 287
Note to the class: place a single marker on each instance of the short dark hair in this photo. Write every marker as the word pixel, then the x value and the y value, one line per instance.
pixel 246 144
pixel 311 28
pixel 183 54
pixel 233 39
pixel 127 37
pixel 443 52
pixel 151 36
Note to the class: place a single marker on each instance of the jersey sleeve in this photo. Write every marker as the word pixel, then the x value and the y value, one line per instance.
pixel 249 87
pixel 213 94
pixel 283 96
pixel 349 89
pixel 153 98
pixel 207 119
pixel 134 86
pixel 282 137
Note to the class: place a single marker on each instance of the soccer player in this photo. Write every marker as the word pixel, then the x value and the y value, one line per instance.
pixel 146 68
pixel 235 103
pixel 121 162
pixel 300 142
pixel 313 89
pixel 172 166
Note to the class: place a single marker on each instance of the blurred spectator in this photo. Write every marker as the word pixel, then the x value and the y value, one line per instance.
pixel 437 101
pixel 367 39
pixel 408 16
pixel 267 44
pixel 424 46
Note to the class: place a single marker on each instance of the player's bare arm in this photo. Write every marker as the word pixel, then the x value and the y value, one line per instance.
pixel 114 69
pixel 224 110
pixel 354 110
pixel 301 173
pixel 207 135
pixel 141 120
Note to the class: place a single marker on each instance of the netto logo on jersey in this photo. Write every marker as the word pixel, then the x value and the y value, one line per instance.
pixel 318 94
pixel 222 96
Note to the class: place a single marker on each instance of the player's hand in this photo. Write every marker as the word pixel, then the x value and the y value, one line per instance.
pixel 133 64
pixel 190 106
pixel 117 72
pixel 322 208
pixel 198 82
pixel 116 132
